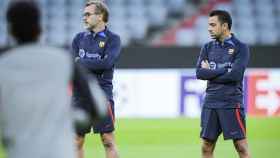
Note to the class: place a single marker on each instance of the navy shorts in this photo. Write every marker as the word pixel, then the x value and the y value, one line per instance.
pixel 229 121
pixel 105 125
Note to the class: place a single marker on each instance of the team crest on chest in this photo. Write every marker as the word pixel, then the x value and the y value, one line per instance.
pixel 230 51
pixel 101 44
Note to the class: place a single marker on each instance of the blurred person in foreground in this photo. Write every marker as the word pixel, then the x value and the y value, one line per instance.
pixel 98 49
pixel 36 118
pixel 222 62
pixel 35 109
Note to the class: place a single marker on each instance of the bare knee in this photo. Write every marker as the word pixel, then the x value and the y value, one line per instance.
pixel 208 146
pixel 108 144
pixel 108 140
pixel 241 147
pixel 80 142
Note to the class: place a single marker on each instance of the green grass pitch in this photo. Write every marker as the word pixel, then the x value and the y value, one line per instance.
pixel 179 138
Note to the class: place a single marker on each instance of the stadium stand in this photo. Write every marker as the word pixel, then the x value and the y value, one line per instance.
pixel 159 22
pixel 255 21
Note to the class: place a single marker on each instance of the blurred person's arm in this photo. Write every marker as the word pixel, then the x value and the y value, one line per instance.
pixel 87 89
pixel 4 142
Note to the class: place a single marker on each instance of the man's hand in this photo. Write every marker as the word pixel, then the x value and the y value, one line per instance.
pixel 205 64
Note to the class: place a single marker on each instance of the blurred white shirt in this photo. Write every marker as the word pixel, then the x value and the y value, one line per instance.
pixel 35 112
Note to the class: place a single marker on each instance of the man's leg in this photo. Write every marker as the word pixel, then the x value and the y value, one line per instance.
pixel 109 143
pixel 241 147
pixel 234 127
pixel 207 148
pixel 79 144
pixel 210 131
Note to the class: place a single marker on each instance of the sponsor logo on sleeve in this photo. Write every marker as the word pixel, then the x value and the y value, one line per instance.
pixel 230 51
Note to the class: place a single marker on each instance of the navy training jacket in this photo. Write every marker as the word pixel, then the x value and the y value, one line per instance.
pixel 228 61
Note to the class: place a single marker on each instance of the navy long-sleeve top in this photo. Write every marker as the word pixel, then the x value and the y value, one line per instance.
pixel 98 52
pixel 228 61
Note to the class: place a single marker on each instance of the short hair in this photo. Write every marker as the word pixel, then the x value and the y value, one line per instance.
pixel 23 18
pixel 223 17
pixel 101 8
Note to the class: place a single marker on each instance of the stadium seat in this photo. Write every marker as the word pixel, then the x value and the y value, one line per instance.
pixel 225 6
pixel 156 15
pixel 243 10
pixel 247 35
pixel 174 5
pixel 137 28
pixel 132 3
pixel 57 37
pixel 202 36
pixel 264 22
pixel 186 37
pixel 135 12
pixel 268 36
pixel 118 11
pixel 115 2
pixel 202 22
